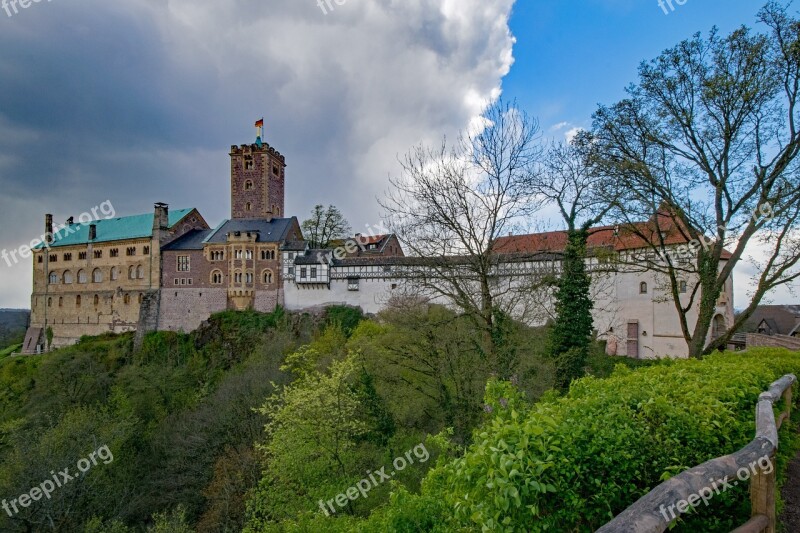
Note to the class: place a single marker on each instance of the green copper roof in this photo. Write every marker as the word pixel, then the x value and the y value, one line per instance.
pixel 113 229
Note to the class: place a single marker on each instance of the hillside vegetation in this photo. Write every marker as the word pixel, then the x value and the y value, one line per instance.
pixel 259 422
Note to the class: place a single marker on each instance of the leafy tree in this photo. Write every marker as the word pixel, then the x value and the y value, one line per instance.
pixel 571 332
pixel 325 225
pixel 706 149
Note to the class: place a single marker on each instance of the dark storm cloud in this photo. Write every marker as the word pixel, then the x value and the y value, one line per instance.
pixel 137 101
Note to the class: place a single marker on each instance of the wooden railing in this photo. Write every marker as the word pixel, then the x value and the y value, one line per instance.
pixel 654 511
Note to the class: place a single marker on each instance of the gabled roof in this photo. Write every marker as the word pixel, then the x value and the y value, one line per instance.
pixel 617 238
pixel 191 240
pixel 113 229
pixel 274 230
pixel 782 319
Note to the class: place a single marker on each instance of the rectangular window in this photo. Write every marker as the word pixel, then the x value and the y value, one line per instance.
pixel 177 281
pixel 183 263
pixel 303 273
pixel 352 284
pixel 146 250
pixel 183 281
pixel 190 281
pixel 313 272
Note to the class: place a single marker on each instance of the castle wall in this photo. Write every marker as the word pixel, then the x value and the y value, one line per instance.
pixel 91 307
pixel 186 309
pixel 372 294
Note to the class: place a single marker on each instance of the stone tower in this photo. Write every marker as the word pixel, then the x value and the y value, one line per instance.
pixel 257 181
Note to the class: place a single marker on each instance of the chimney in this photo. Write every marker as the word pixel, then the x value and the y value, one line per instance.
pixel 92 232
pixel 161 218
pixel 48 228
pixel 70 221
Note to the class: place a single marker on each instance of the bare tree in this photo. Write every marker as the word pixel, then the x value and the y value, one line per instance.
pixel 706 147
pixel 451 203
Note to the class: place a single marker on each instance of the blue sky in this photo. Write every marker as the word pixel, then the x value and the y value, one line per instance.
pixel 571 55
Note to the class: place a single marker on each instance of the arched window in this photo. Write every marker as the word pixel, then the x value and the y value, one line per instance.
pixel 53 279
pixel 682 287
pixel 67 277
pixel 643 288
pixel 249 278
pixel 248 186
pixel 61 301
pixel 114 274
pixel 216 277
pixel 266 277
pixel 96 300
pixel 237 277
pixel 49 302
pixel 78 301
pixel 248 206
pixel 82 277
pixel 140 272
pixel 141 297
pixel 97 276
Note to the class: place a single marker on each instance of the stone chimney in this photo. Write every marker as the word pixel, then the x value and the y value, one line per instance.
pixel 161 218
pixel 48 228
pixel 92 232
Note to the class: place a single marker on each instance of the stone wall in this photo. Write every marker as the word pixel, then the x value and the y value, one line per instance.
pixel 186 309
pixel 774 341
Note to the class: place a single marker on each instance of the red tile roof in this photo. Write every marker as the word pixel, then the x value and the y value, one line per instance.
pixel 617 238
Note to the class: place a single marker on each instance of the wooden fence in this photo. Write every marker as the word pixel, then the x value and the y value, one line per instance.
pixel 654 511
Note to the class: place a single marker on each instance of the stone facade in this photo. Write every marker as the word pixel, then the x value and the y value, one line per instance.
pixel 257 181
pixel 171 271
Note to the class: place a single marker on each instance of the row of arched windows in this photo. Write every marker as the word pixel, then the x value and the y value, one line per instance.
pixel 98 276
pixel 96 300
pixel 217 277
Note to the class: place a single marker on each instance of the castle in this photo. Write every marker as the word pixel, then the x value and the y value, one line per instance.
pixel 169 270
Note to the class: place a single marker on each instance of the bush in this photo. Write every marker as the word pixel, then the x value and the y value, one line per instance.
pixel 572 463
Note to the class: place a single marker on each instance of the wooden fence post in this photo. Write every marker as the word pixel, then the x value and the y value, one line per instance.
pixel 762 495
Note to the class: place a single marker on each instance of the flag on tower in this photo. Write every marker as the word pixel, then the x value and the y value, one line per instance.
pixel 260 123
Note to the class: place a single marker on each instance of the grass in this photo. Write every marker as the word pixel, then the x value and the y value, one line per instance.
pixel 5 352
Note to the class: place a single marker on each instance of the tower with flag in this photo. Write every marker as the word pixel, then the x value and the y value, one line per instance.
pixel 259 131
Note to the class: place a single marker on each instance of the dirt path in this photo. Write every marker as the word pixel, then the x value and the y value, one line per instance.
pixel 790 517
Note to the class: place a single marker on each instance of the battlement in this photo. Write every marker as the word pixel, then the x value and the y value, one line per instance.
pixel 256 149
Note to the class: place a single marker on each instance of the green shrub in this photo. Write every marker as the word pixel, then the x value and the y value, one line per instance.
pixel 572 463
